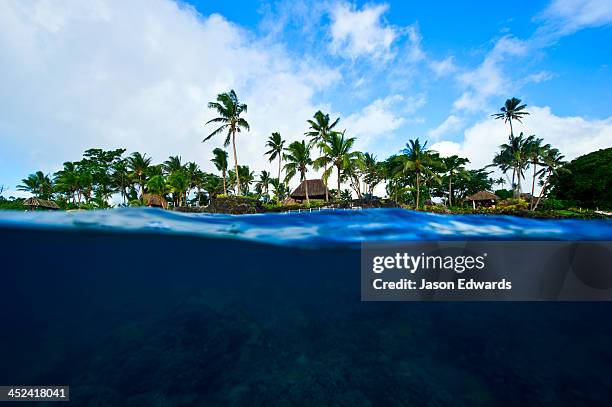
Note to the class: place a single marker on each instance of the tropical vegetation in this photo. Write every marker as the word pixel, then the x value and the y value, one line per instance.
pixel 416 176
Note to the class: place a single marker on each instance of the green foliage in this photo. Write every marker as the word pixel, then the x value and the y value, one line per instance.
pixel 587 180
pixel 504 193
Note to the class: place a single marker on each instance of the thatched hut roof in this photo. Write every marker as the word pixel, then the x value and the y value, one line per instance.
pixel 155 201
pixel 483 196
pixel 316 190
pixel 40 203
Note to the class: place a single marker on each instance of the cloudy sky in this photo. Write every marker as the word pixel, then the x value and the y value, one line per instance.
pixel 138 74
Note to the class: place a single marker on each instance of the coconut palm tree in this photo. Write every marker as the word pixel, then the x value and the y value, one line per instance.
pixel 297 158
pixel 179 184
pixel 172 164
pixel 373 172
pixel 553 164
pixel 38 184
pixel 264 182
pixel 454 164
pixel 514 155
pixel 276 144
pixel 220 161
pixel 512 110
pixel 139 164
pixel 245 175
pixel 229 109
pixel 534 150
pixel 280 189
pixel 336 152
pixel 320 131
pixel 158 185
pixel 420 161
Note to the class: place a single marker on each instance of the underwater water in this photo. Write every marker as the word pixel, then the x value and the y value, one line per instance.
pixel 142 307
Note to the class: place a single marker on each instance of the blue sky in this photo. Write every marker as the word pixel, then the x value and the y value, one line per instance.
pixel 138 75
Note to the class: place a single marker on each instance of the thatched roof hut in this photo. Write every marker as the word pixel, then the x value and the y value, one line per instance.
pixel 484 198
pixel 316 190
pixel 40 204
pixel 154 201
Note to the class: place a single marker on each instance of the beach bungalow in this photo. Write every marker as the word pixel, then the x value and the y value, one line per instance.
pixel 482 198
pixel 154 201
pixel 316 190
pixel 37 204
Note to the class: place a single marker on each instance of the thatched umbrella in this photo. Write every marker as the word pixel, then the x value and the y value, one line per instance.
pixel 482 197
pixel 316 190
pixel 38 204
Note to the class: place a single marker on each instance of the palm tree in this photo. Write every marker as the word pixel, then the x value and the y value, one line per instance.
pixel 67 180
pixel 280 189
pixel 454 164
pixel 276 144
pixel 553 164
pixel 320 131
pixel 121 178
pixel 512 110
pixel 229 109
pixel 336 152
pixel 139 164
pixel 417 159
pixel 220 161
pixel 245 175
pixel 158 185
pixel 172 164
pixel 264 181
pixel 38 184
pixel 534 150
pixel 179 183
pixel 298 159
pixel 513 155
pixel 373 172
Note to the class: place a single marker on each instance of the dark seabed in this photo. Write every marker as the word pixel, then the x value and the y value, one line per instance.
pixel 144 308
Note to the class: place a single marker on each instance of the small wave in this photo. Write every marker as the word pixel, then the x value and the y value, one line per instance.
pixel 319 229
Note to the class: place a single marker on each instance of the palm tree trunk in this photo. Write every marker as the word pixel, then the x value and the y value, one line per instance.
pixel 338 181
pixel 305 186
pixel 236 163
pixel 542 192
pixel 533 185
pixel 450 190
pixel 325 183
pixel 511 131
pixel 224 184
pixel 280 163
pixel 514 194
pixel 418 190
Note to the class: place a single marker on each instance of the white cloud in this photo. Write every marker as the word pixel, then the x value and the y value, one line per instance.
pixel 357 33
pixel 380 118
pixel 564 17
pixel 138 75
pixel 450 124
pixel 489 78
pixel 443 67
pixel 573 136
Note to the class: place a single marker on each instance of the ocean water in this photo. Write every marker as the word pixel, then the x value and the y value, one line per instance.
pixel 143 307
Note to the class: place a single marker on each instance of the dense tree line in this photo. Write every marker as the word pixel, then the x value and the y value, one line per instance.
pixel 413 176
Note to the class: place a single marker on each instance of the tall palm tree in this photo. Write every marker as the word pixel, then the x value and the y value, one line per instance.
pixel 158 185
pixel 320 130
pixel 276 144
pixel 179 184
pixel 229 109
pixel 418 160
pixel 298 159
pixel 220 161
pixel 336 152
pixel 139 164
pixel 453 164
pixel 512 110
pixel 245 175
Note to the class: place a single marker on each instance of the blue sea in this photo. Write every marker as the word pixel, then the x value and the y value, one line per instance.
pixel 144 307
